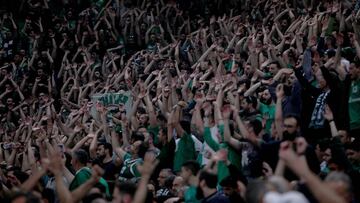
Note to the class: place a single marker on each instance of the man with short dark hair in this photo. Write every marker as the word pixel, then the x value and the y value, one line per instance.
pixel 353 154
pixel 207 184
pixel 104 157
pixel 79 161
pixel 230 188
pixel 189 171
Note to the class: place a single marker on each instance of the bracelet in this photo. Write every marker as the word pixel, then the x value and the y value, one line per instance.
pixel 332 120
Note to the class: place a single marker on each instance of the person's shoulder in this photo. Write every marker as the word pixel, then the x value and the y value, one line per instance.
pixel 270 144
pixel 219 198
pixel 127 156
pixel 83 173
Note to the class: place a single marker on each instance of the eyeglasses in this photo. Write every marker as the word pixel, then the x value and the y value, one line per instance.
pixel 289 126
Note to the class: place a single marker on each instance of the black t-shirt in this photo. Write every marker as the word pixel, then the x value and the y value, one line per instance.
pixel 163 194
pixel 167 154
pixel 110 169
pixel 216 198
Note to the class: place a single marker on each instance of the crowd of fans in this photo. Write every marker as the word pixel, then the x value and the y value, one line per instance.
pixel 254 101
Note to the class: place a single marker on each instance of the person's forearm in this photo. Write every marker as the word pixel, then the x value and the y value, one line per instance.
pixel 31 62
pixel 333 128
pixel 114 140
pixel 252 89
pixel 3 81
pixel 75 56
pixel 74 120
pixel 64 129
pixel 254 60
pixel 68 175
pixel 31 156
pixel 294 26
pixel 22 98
pixel 151 111
pixel 163 109
pixel 227 132
pixel 10 160
pixel 80 144
pixel 174 96
pixel 49 57
pixel 280 168
pixel 243 131
pixel 1 160
pixel 25 163
pixel 203 57
pixel 357 47
pixel 125 134
pixel 322 192
pixel 231 44
pixel 79 193
pixel 197 121
pixel 299 46
pixel 105 128
pixel 32 181
pixel 133 110
pixel 62 191
pixel 279 117
pixel 217 114
pixel 34 89
pixel 62 45
pixel 71 104
pixel 141 191
pixel 149 66
pixel 3 95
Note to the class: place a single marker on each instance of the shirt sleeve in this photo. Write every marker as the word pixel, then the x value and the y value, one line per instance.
pixel 209 140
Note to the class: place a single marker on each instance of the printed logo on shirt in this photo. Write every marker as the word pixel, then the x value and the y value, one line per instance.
pixel 355 89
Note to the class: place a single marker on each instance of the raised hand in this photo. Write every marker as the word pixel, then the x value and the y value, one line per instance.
pixel 280 91
pixel 328 114
pixel 301 145
pixel 96 173
pixel 150 163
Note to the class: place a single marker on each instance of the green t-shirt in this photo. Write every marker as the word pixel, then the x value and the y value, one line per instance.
pixel 154 130
pixel 267 111
pixel 185 151
pixel 84 175
pixel 228 65
pixel 190 195
pixel 354 105
pixel 233 156
pixel 129 168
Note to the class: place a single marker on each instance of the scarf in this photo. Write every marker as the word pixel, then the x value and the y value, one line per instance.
pixel 317 117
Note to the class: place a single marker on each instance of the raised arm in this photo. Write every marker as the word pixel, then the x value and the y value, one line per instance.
pixel 227 133
pixel 278 112
pixel 328 115
pixel 321 191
